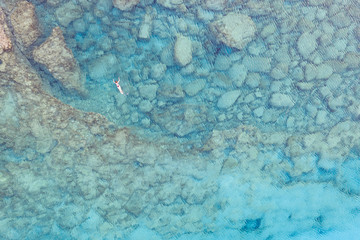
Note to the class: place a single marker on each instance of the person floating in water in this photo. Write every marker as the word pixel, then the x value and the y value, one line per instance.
pixel 118 85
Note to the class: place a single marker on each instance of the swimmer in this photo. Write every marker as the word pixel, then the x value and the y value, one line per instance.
pixel 118 85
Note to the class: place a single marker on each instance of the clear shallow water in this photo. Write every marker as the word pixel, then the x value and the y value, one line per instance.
pixel 252 170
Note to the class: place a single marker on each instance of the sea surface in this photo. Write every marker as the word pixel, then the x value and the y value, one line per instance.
pixel 254 142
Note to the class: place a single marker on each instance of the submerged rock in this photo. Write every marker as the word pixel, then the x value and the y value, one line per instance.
pixel 125 5
pixel 148 91
pixel 60 61
pixel 257 64
pixel 281 100
pixel 237 74
pixel 158 70
pixel 306 44
pixel 216 5
pixel 25 23
pixel 183 50
pixel 103 67
pixel 180 119
pixel 228 99
pixel 194 87
pixel 172 4
pixel 145 27
pixel 235 30
pixel 324 71
pixel 5 41
pixel 171 93
pixel 53 2
pixel 68 12
pixel 349 177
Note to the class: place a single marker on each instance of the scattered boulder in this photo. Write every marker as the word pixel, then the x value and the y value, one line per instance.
pixel 145 106
pixel 334 81
pixel 257 64
pixel 253 80
pixel 216 5
pixel 125 5
pixel 321 117
pixel 68 12
pixel 136 203
pixel 172 4
pixel 145 27
pixel 5 41
pixel 324 71
pixel 183 50
pixel 171 92
pixel 195 86
pixel 258 112
pixel 341 138
pixel 237 74
pixel 357 32
pixel 102 8
pixel 25 23
pixel 281 100
pixel 352 60
pixel 158 70
pixel 268 30
pixel 222 62
pixel 69 216
pixel 228 99
pixel 318 2
pixel 306 44
pixel 60 61
pixel 167 55
pixel 53 2
pixel 103 67
pixel 297 73
pixel 148 91
pixel 305 86
pixel 282 55
pixel 180 119
pixel 321 71
pixel 334 103
pixel 341 19
pixel 280 71
pixel 235 30
pixel 310 72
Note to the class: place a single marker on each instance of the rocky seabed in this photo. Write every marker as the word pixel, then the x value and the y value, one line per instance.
pixel 240 119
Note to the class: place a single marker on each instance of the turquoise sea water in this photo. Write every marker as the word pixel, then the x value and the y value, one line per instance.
pixel 253 169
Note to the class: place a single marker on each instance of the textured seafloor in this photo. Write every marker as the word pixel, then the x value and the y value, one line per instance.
pixel 239 119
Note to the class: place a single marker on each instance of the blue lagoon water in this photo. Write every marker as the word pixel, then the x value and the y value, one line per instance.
pixel 239 120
